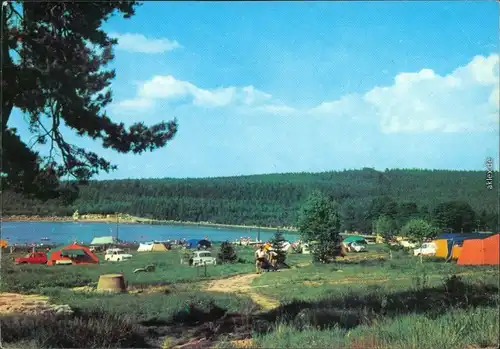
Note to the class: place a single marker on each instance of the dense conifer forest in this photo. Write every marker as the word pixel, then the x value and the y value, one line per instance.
pixel 274 199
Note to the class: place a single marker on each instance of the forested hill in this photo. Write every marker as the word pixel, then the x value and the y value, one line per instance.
pixel 274 199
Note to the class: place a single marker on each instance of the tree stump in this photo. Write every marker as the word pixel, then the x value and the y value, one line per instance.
pixel 111 283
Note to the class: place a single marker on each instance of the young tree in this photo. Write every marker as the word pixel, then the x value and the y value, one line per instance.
pixel 54 71
pixel 385 226
pixel 277 243
pixel 319 224
pixel 227 253
pixel 419 230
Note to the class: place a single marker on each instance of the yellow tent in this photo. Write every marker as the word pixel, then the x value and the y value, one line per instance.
pixel 455 252
pixel 158 248
pixel 441 248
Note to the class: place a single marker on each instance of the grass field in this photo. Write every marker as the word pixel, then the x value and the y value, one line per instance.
pixel 365 301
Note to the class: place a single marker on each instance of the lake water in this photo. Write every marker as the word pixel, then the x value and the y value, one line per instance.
pixel 67 232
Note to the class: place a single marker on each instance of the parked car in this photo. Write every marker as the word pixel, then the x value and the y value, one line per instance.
pixel 356 247
pixel 407 244
pixel 427 249
pixel 202 258
pixel 32 258
pixel 116 255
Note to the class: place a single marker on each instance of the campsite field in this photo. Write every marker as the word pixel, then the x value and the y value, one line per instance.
pixel 365 301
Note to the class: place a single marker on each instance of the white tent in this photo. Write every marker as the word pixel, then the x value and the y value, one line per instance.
pixel 147 247
pixel 151 247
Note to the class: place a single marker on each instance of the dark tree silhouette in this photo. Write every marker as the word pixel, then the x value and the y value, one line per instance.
pixel 54 71
pixel 227 253
pixel 271 200
pixel 456 216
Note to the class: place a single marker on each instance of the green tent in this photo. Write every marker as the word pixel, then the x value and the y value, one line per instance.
pixel 357 239
pixel 103 240
pixel 73 252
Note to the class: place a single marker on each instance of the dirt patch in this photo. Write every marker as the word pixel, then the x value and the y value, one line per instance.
pixel 242 284
pixel 243 343
pixel 14 303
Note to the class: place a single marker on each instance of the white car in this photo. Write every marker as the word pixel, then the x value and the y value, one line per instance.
pixel 116 255
pixel 407 244
pixel 427 249
pixel 357 247
pixel 202 258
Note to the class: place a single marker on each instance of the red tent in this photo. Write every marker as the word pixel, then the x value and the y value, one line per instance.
pixel 75 253
pixel 481 252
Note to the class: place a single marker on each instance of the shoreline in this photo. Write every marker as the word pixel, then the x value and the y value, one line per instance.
pixel 138 220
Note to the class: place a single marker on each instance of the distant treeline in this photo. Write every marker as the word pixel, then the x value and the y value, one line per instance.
pixel 274 199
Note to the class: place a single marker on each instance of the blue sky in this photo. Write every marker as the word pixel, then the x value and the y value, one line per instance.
pixel 290 87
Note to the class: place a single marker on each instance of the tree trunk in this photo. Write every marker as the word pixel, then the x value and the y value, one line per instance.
pixel 8 76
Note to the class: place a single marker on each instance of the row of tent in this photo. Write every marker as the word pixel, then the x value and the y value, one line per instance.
pixel 79 254
pixel 469 249
pixel 158 246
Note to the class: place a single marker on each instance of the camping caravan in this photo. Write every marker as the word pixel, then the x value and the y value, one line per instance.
pixel 71 255
pixel 152 247
pixel 480 251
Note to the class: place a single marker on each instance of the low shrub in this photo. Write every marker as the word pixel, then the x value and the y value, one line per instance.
pixel 84 330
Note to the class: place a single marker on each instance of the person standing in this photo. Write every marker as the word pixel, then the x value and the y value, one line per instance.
pixel 260 259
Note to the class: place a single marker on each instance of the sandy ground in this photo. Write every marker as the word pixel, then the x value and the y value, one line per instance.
pixel 242 284
pixel 13 303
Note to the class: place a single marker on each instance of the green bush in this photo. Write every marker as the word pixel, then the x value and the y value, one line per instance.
pixel 227 253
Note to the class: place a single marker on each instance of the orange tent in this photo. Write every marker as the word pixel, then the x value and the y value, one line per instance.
pixel 75 253
pixel 3 243
pixel 481 251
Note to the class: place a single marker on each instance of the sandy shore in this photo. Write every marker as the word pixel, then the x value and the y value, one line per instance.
pixel 138 220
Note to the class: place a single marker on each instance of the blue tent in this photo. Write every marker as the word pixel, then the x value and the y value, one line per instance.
pixel 463 236
pixel 193 243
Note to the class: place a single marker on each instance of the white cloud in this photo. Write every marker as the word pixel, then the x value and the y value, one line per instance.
pixel 168 88
pixel 139 43
pixel 465 100
pixel 135 104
